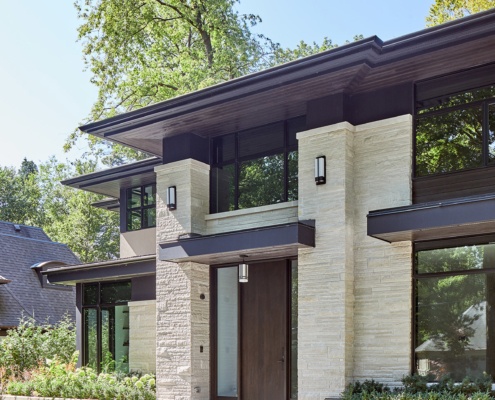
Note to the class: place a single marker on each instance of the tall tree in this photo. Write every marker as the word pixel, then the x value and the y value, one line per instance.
pixel 448 10
pixel 91 233
pixel 151 50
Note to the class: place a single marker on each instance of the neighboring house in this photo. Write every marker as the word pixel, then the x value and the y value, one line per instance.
pixel 305 226
pixel 24 252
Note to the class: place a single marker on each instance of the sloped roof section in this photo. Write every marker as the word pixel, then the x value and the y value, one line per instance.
pixel 21 247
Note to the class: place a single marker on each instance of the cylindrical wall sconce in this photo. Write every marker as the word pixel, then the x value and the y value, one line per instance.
pixel 171 197
pixel 243 272
pixel 320 170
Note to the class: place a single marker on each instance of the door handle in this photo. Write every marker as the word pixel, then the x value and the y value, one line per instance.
pixel 282 360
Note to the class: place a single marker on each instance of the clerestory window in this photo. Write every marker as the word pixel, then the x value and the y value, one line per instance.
pixel 454 131
pixel 255 167
pixel 141 207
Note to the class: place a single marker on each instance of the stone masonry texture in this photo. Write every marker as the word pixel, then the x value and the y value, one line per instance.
pixel 354 291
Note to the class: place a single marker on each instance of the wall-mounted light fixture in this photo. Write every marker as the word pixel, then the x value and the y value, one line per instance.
pixel 320 170
pixel 171 197
pixel 243 270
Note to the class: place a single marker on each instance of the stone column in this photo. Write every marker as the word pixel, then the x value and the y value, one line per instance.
pixel 326 272
pixel 182 292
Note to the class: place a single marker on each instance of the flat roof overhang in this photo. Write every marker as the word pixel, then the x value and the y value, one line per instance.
pixel 436 220
pixel 100 271
pixel 270 242
pixel 108 182
pixel 255 99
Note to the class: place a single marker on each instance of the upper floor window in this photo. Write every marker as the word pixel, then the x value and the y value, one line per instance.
pixel 255 167
pixel 141 207
pixel 455 132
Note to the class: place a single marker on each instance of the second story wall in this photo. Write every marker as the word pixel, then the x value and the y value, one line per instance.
pixel 138 243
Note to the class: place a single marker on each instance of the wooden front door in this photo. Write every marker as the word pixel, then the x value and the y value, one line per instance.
pixel 263 332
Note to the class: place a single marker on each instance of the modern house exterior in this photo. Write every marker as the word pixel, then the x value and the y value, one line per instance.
pixel 324 221
pixel 25 251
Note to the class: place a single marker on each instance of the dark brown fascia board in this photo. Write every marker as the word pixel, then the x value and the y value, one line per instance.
pixel 293 234
pixel 113 174
pixel 414 221
pixel 364 50
pixel 122 267
pixel 371 51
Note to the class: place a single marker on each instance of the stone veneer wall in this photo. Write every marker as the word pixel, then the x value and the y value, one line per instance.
pixel 142 336
pixel 354 291
pixel 182 317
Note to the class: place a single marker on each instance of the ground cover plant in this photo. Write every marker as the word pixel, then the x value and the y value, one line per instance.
pixel 416 387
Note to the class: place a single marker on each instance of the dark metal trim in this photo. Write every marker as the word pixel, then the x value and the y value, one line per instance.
pixel 295 234
pixel 417 220
pixel 113 269
pixel 113 174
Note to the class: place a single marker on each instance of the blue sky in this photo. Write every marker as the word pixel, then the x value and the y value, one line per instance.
pixel 44 93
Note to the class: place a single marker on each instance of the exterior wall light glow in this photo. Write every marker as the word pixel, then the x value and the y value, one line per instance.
pixel 243 272
pixel 171 197
pixel 320 170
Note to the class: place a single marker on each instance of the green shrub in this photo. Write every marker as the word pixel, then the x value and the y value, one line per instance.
pixel 63 380
pixel 30 344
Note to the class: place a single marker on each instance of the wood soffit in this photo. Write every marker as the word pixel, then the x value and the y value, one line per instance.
pixel 282 92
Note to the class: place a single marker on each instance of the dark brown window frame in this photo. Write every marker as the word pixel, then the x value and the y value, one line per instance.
pixel 98 306
pixel 237 161
pixel 416 276
pixel 141 209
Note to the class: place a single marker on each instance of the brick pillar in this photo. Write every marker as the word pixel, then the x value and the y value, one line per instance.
pixel 182 354
pixel 326 272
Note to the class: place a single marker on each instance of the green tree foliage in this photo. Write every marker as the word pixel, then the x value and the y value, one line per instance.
pixel 90 232
pixel 448 10
pixel 34 196
pixel 144 52
pixel 20 195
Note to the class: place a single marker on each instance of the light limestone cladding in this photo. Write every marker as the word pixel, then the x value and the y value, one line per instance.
pixel 182 317
pixel 142 336
pixel 354 291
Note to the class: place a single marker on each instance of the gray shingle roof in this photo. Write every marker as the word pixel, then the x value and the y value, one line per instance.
pixel 20 248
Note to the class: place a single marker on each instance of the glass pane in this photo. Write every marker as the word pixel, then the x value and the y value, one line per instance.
pixel 115 292
pixel 222 191
pixel 293 126
pixel 261 181
pixel 90 337
pixel 133 220
pixel 292 167
pixel 261 140
pixel 449 142
pixel 149 219
pixel 223 149
pixel 108 339
pixel 456 259
pixel 227 331
pixel 294 329
pixel 90 294
pixel 121 341
pixel 133 197
pixel 149 195
pixel 491 132
pixel 455 326
pixel 456 99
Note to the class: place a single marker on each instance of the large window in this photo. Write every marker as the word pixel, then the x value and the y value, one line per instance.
pixel 106 325
pixel 455 310
pixel 455 132
pixel 255 167
pixel 141 207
